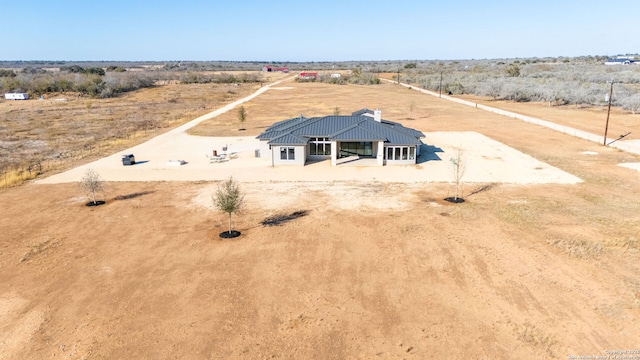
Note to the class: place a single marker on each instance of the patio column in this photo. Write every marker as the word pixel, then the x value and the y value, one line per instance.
pixel 380 154
pixel 334 153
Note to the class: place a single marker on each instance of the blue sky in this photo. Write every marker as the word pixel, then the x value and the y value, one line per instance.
pixel 251 30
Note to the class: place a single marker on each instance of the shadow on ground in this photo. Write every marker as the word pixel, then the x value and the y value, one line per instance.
pixel 133 195
pixel 429 153
pixel 279 219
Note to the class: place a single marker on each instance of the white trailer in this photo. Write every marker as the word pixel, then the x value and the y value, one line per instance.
pixel 16 96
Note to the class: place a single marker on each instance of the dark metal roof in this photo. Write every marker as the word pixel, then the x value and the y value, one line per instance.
pixel 325 126
pixel 361 127
pixel 395 134
pixel 357 133
pixel 288 139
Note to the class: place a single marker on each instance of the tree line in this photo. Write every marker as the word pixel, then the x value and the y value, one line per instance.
pixel 578 81
pixel 104 83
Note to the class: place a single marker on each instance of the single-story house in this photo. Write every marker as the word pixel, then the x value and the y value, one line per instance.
pixel 361 135
pixel 16 96
pixel 619 61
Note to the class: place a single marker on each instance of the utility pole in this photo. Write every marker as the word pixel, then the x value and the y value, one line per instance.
pixel 606 127
pixel 440 84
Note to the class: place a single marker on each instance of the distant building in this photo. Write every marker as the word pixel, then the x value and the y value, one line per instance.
pixel 267 68
pixel 619 61
pixel 305 75
pixel 16 96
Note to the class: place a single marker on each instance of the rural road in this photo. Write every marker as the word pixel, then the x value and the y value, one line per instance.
pixel 222 110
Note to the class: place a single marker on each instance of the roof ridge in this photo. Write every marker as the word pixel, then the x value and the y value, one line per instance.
pixel 369 120
pixel 343 130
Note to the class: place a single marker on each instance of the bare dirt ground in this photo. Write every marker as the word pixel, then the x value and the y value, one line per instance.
pixel 376 269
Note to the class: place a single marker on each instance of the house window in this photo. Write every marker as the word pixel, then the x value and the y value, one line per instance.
pixel 319 146
pixel 401 153
pixel 362 148
pixel 287 153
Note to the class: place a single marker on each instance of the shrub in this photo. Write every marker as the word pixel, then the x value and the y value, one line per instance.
pixel 7 73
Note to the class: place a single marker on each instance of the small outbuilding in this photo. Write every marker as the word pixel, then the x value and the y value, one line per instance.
pixel 305 75
pixel 268 68
pixel 16 96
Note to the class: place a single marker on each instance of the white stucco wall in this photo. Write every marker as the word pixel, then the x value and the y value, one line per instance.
pixel 265 152
pixel 300 155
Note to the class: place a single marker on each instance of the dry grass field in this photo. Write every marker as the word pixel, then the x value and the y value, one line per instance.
pixel 39 137
pixel 372 271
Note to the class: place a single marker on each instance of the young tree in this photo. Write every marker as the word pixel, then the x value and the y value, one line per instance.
pixel 242 116
pixel 458 170
pixel 92 183
pixel 229 198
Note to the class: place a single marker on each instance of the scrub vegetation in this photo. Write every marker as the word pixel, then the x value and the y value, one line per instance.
pixel 577 82
pixel 95 82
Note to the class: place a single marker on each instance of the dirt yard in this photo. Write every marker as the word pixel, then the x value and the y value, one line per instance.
pixel 375 269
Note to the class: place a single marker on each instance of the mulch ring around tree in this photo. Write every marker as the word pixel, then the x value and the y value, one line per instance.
pixel 96 203
pixel 229 235
pixel 454 200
